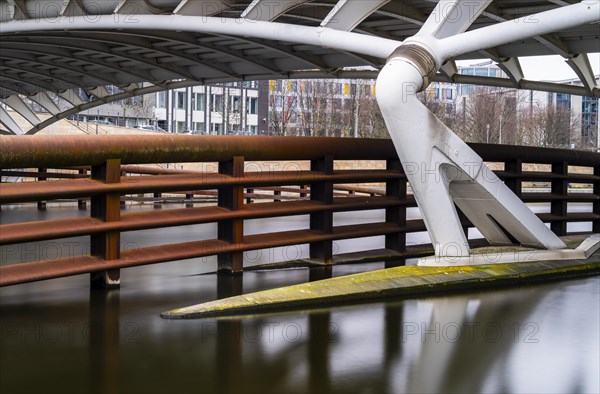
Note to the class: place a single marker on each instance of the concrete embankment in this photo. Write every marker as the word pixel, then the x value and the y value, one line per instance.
pixel 392 282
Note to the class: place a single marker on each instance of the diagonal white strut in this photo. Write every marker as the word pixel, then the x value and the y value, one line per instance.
pixel 443 171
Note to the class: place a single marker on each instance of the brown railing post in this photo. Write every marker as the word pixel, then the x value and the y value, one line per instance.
pixel 397 215
pixel 106 207
pixel 41 205
pixel 303 194
pixel 232 231
pixel 81 203
pixel 157 204
pixel 514 184
pixel 560 188
pixel 322 221
pixel 596 222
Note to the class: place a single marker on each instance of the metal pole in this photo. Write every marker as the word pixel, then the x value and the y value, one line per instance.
pixel 357 101
pixel 487 134
pixel 500 131
pixel 97 118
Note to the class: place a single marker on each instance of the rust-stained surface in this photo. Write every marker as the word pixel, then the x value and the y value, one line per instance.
pixel 106 189
pixel 30 272
pixel 50 151
pixel 71 151
pixel 34 191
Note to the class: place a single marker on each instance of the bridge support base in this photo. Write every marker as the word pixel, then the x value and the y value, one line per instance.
pixel 445 173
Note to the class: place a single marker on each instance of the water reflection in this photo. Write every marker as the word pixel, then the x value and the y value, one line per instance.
pixel 539 338
pixel 104 341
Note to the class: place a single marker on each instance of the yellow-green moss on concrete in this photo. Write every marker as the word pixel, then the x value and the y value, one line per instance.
pixel 398 281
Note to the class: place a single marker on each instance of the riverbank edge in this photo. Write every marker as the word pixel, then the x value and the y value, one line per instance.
pixel 404 281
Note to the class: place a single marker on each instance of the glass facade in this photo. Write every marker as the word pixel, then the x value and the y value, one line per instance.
pixel 589 117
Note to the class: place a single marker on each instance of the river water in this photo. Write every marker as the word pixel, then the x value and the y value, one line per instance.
pixel 58 336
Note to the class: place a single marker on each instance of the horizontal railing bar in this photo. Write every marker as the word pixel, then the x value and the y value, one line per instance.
pixel 34 191
pixel 49 269
pixel 64 228
pixel 50 151
pixel 548 176
pixel 569 217
pixel 48 175
pixel 535 155
pixel 76 151
pixel 548 197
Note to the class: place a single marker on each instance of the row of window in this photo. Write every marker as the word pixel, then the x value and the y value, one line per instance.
pixel 320 88
pixel 216 128
pixel 216 102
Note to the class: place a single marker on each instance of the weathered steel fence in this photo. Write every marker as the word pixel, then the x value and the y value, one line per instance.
pixel 111 159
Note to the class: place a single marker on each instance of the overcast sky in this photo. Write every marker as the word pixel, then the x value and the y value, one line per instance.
pixel 546 68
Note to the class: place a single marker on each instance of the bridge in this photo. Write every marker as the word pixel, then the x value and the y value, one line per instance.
pixel 69 56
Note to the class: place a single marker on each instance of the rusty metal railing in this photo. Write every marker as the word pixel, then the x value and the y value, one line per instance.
pixel 112 159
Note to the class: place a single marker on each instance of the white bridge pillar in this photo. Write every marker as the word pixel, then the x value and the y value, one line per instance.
pixel 444 171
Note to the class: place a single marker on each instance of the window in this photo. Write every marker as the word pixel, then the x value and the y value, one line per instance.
pixel 563 100
pixel 236 103
pixel 198 103
pixel 161 99
pixel 217 103
pixel 252 105
pixel 589 117
pixel 180 127
pixel 199 126
pixel 180 100
pixel 482 72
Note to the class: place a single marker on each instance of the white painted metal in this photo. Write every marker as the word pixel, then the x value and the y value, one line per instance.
pixel 546 22
pixel 268 10
pixel 72 97
pixel 166 57
pixel 22 109
pixel 449 70
pixel 347 14
pixel 512 68
pixel 7 121
pixel 200 8
pixel 444 171
pixel 582 67
pixel 323 37
pixel 583 252
pixel 45 101
pixel 135 7
pixel 451 17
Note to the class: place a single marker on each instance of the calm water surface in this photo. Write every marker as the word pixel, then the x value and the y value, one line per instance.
pixel 58 336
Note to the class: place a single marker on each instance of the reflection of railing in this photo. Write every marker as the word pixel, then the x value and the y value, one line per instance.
pixel 111 156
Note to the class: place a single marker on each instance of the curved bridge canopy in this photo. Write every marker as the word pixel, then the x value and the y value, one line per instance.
pixel 50 49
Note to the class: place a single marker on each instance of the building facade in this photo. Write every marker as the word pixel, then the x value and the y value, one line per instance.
pixel 229 108
pixel 577 116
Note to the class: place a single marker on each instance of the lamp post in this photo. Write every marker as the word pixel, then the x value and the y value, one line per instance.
pixel 500 131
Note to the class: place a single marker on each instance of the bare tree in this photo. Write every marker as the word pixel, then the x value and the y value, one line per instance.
pixel 491 116
pixel 138 106
pixel 282 105
pixel 552 126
